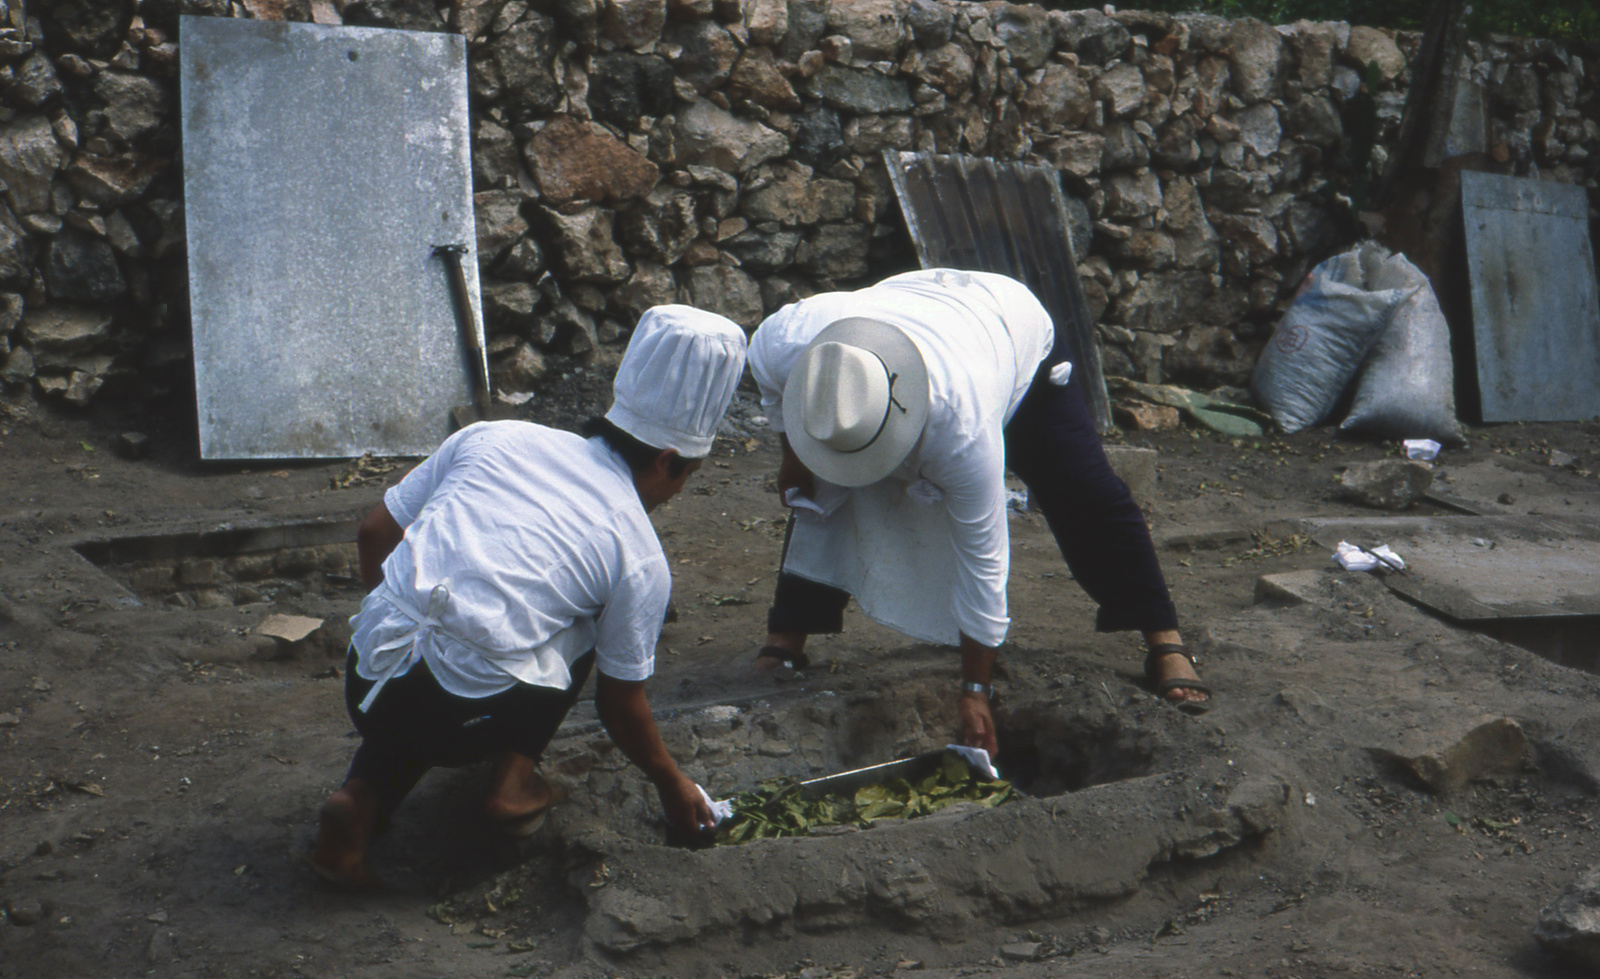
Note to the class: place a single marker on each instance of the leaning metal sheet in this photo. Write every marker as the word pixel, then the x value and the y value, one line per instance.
pixel 321 167
pixel 994 216
pixel 1535 314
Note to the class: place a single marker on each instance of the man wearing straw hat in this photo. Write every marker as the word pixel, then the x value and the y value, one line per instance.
pixel 506 566
pixel 901 406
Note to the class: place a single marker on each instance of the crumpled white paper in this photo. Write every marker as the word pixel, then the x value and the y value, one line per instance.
pixel 977 758
pixel 719 810
pixel 1061 373
pixel 1353 558
pixel 1425 450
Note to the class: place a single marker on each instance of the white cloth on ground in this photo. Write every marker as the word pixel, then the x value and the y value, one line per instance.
pixel 932 571
pixel 524 548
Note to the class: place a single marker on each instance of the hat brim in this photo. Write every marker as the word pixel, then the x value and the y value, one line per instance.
pixel 900 432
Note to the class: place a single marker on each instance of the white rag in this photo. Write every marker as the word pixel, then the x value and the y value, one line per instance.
pixel 1353 558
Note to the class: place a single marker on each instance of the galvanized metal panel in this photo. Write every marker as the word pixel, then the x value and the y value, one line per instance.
pixel 1535 313
pixel 321 167
pixel 996 216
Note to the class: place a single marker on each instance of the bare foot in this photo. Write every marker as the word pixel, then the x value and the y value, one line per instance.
pixel 517 790
pixel 345 829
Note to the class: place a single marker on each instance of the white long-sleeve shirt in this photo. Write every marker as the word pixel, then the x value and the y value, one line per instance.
pixel 982 337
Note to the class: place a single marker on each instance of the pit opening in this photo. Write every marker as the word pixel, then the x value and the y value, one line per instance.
pixel 298 566
pixel 1053 752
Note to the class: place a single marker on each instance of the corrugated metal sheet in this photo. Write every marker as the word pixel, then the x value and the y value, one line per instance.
pixel 995 216
pixel 1535 314
pixel 321 167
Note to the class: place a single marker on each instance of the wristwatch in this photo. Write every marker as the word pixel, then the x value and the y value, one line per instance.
pixel 983 688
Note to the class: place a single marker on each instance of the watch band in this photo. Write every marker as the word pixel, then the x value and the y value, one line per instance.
pixel 983 688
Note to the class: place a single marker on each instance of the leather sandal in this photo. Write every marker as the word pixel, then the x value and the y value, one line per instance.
pixel 1163 687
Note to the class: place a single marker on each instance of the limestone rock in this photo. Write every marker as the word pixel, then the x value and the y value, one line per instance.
pixel 405 15
pixel 1368 45
pixel 1451 753
pixel 1260 129
pixel 835 251
pixel 1314 46
pixel 112 181
pixel 16 254
pixel 1388 484
pixel 577 161
pixel 1132 195
pixel 1059 101
pixel 949 68
pixel 35 84
pixel 509 306
pixel 582 244
pixel 1094 37
pixel 795 198
pixel 632 23
pixel 808 23
pixel 931 22
pixel 767 21
pixel 662 226
pixel 89 26
pixel 707 53
pixel 1570 925
pixel 575 332
pixel 519 370
pixel 1026 32
pixel 756 78
pixel 1122 89
pixel 30 158
pixel 1079 154
pixel 19 367
pixel 625 87
pixel 763 252
pixel 494 154
pixel 135 104
pixel 870 135
pixel 522 56
pixel 1315 120
pixel 81 267
pixel 853 90
pixel 499 222
pixel 712 136
pixel 727 291
pixel 650 285
pixel 1123 149
pixel 1253 49
pixel 818 139
pixel 59 332
pixel 1210 354
pixel 874 27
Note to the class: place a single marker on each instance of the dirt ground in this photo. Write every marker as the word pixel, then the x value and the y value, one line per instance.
pixel 162 765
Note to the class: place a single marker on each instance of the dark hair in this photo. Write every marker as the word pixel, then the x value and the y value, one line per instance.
pixel 634 452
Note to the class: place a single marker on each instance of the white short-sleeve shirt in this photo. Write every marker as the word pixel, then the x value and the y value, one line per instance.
pixel 524 548
pixel 982 337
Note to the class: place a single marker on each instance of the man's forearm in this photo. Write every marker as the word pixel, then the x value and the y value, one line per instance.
pixel 625 713
pixel 376 539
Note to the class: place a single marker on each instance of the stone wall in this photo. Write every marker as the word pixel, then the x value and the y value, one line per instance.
pixel 726 153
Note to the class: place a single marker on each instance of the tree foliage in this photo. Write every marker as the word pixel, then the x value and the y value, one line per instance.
pixel 1560 19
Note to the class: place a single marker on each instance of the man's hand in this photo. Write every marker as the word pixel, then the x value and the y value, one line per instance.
pixel 793 474
pixel 977 724
pixel 685 807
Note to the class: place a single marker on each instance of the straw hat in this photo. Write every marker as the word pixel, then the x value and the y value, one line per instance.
pixel 856 401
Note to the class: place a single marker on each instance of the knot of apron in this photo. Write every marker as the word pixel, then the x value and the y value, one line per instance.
pixel 423 624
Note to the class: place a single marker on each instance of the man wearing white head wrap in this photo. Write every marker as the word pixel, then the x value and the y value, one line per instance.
pixel 506 566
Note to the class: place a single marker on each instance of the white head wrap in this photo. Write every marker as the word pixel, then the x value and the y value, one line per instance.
pixel 677 378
